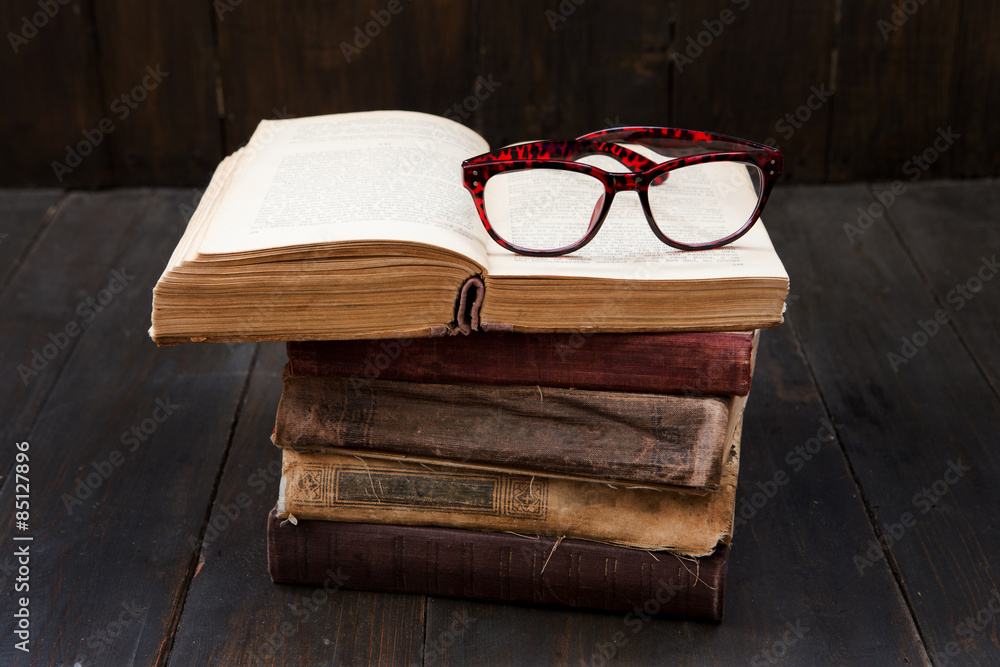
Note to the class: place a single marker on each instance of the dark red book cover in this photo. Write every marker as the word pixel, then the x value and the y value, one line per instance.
pixel 484 565
pixel 667 363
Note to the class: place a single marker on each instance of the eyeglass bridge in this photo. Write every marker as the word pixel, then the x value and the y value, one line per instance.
pixel 627 181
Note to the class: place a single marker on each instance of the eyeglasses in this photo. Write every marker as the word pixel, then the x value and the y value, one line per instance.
pixel 539 199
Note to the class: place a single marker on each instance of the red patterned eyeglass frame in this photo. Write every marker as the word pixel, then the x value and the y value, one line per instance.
pixel 688 147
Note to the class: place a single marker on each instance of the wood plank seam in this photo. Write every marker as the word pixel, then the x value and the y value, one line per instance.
pixel 954 90
pixel 938 300
pixel 30 247
pixel 478 123
pixel 72 344
pixel 672 47
pixel 220 98
pixel 897 574
pixel 427 629
pixel 834 80
pixel 167 645
pixel 95 38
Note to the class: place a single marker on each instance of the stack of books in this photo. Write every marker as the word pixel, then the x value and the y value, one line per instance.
pixel 517 467
pixel 459 421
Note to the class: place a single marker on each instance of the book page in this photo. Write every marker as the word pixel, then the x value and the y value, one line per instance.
pixel 625 247
pixel 378 175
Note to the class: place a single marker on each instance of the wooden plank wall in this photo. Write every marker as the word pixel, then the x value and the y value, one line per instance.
pixel 850 89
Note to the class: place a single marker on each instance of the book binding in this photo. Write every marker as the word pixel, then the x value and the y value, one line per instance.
pixel 484 565
pixel 659 363
pixel 642 438
pixel 338 487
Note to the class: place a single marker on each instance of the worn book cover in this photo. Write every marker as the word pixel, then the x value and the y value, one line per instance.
pixel 655 439
pixel 496 566
pixel 339 487
pixel 662 363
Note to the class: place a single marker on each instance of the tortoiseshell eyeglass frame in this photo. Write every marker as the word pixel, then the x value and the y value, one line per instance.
pixel 683 147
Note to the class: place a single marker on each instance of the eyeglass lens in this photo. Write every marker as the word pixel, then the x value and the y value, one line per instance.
pixel 548 209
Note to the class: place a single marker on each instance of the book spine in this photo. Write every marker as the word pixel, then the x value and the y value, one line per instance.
pixel 630 437
pixel 662 363
pixel 496 566
pixel 338 487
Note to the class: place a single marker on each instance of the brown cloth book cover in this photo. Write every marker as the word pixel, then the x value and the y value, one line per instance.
pixel 338 487
pixel 497 566
pixel 657 439
pixel 661 363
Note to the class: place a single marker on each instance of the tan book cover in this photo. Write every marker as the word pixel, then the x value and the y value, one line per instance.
pixel 338 487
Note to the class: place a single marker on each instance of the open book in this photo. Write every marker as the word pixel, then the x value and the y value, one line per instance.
pixel 358 226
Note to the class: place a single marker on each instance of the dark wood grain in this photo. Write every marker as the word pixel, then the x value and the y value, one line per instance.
pixel 794 561
pixel 24 214
pixel 895 84
pixel 760 70
pixel 569 68
pixel 952 231
pixel 790 563
pixel 167 127
pixel 977 68
pixel 563 67
pixel 905 428
pixel 234 613
pixel 51 92
pixel 113 567
pixel 278 60
pixel 68 264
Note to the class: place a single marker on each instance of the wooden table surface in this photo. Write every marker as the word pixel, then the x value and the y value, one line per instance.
pixel 875 551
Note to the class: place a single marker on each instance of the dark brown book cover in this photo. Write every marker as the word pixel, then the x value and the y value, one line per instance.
pixel 657 439
pixel 496 566
pixel 663 363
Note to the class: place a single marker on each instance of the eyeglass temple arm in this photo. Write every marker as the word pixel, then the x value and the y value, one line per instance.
pixel 677 142
pixel 569 151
